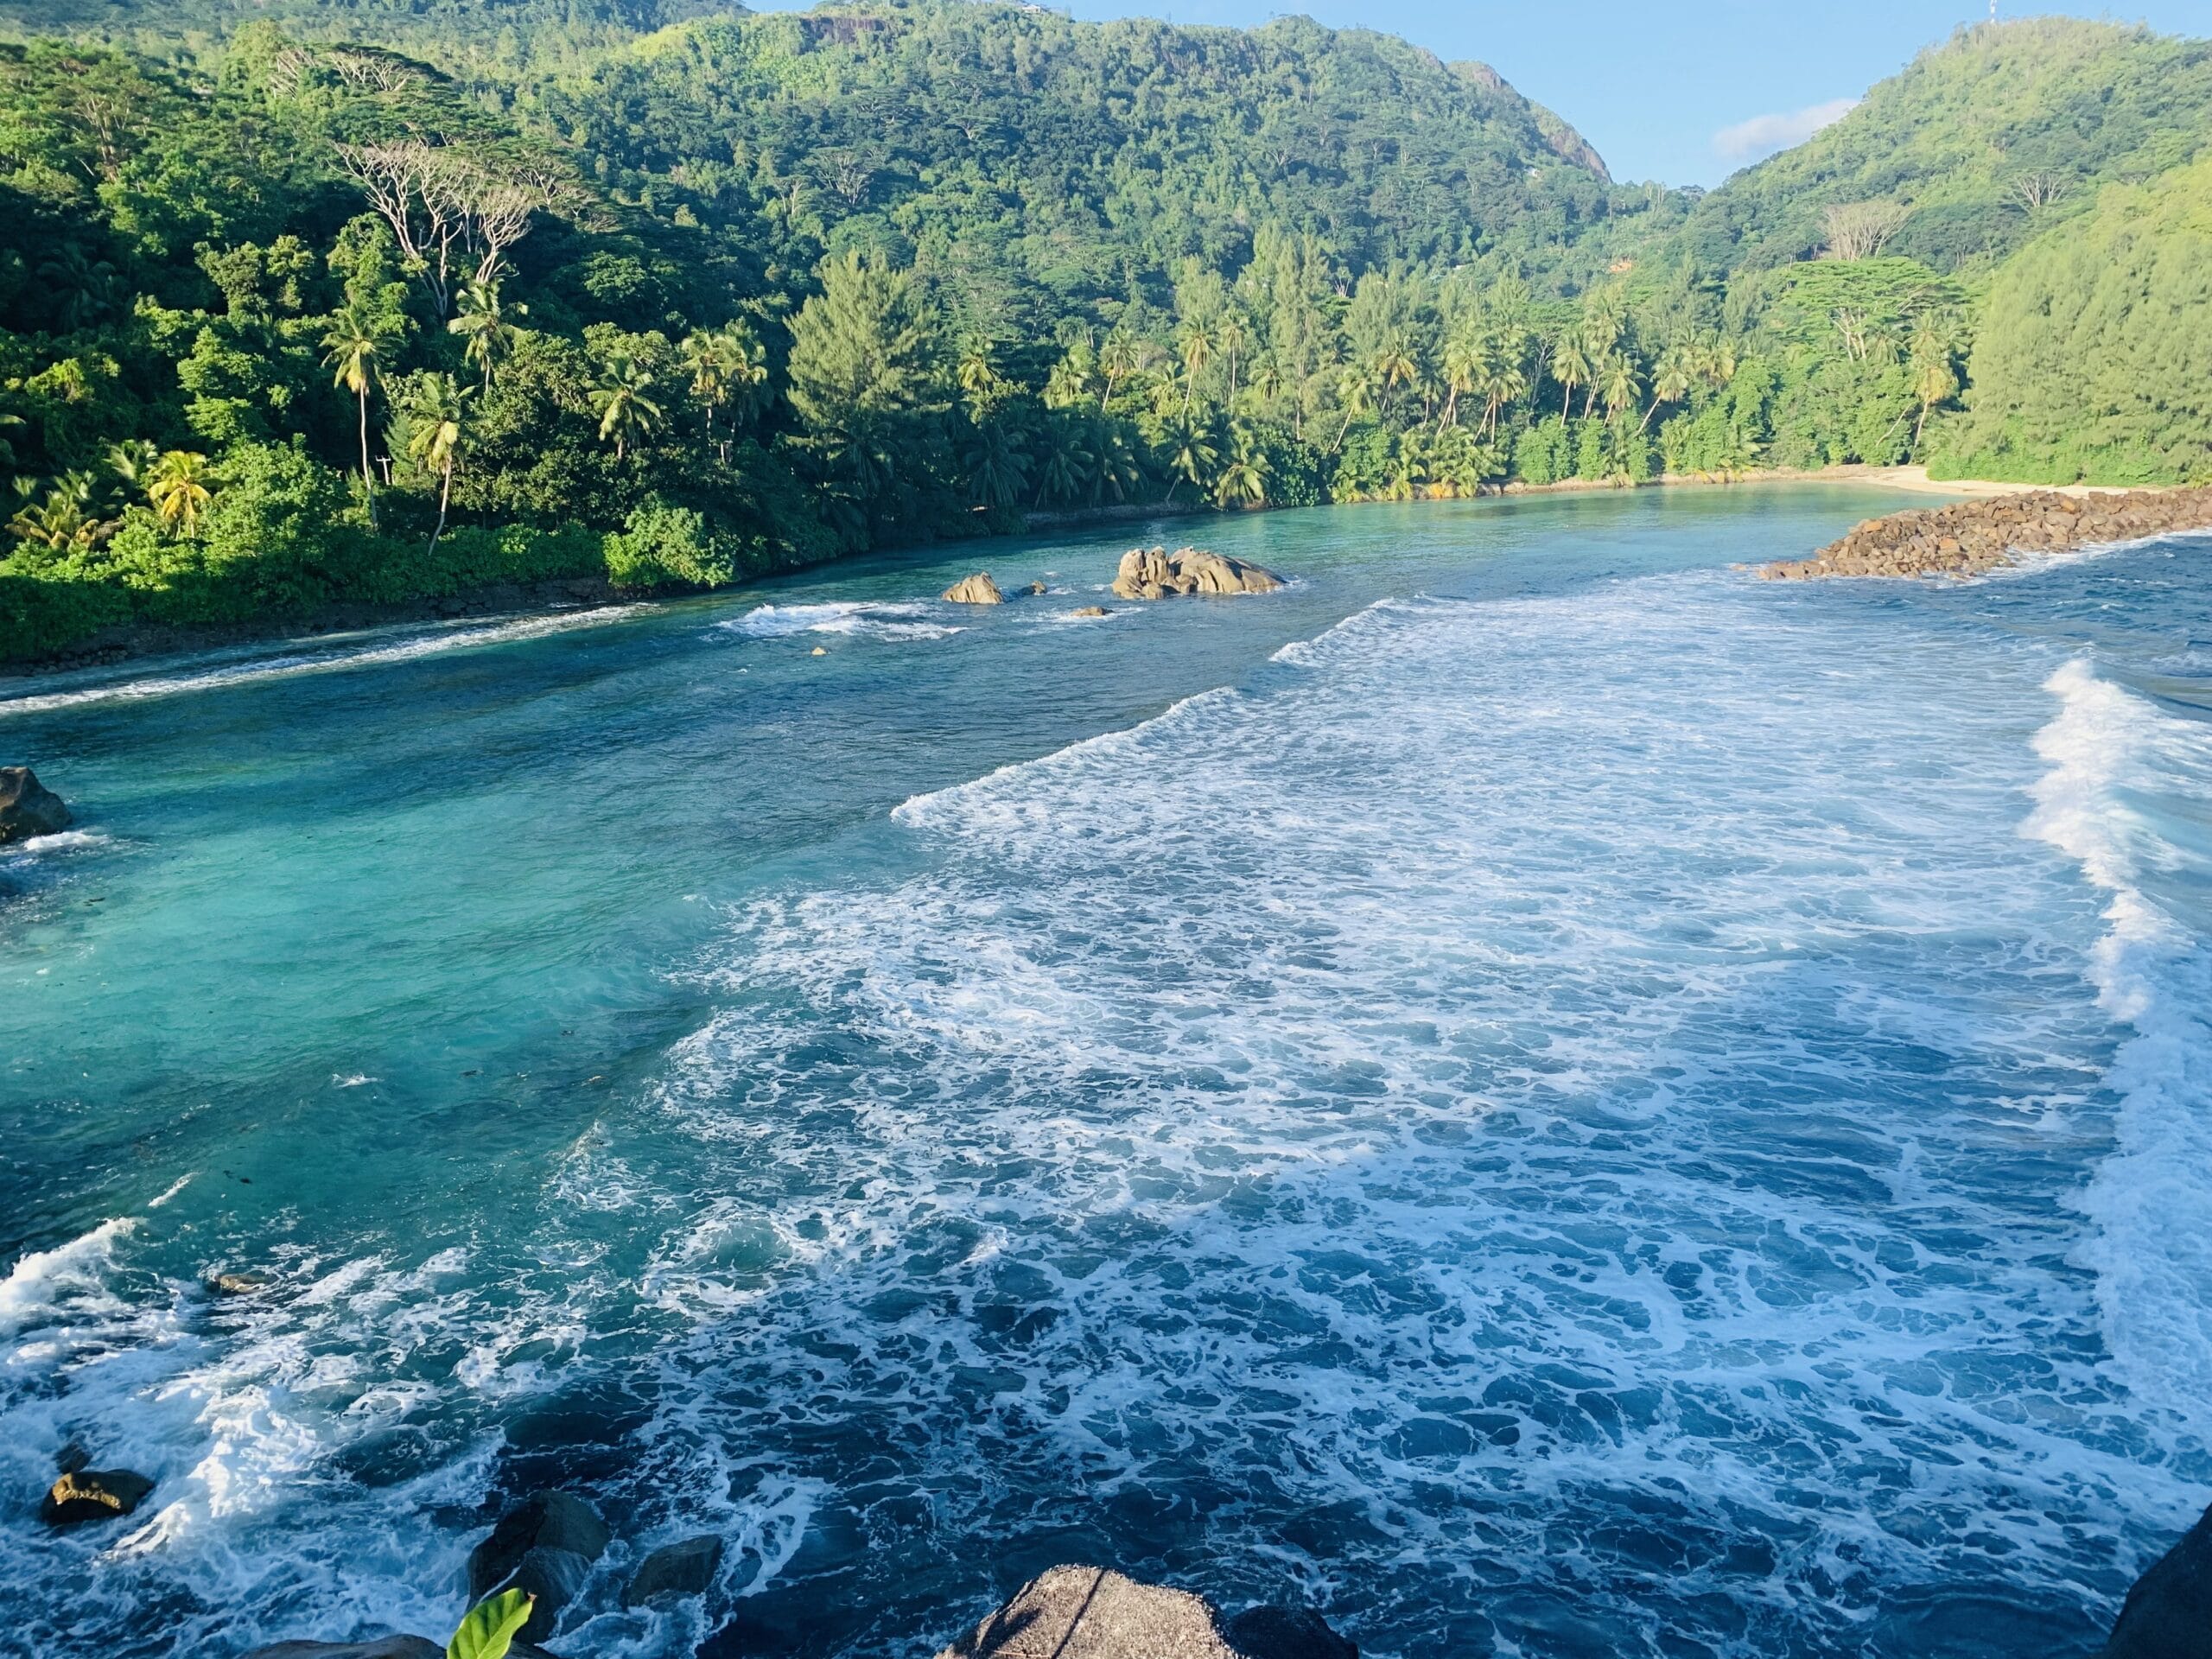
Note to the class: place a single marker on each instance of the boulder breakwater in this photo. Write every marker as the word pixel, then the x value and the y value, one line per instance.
pixel 1971 537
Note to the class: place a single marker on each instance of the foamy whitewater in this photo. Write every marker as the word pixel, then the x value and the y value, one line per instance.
pixel 1537 1093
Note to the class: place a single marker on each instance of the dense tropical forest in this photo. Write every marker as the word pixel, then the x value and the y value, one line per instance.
pixel 302 304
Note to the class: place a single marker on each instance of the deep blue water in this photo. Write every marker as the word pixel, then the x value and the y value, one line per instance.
pixel 1535 1090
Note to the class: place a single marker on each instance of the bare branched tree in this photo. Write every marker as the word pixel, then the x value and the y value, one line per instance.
pixel 2036 191
pixel 454 215
pixel 1859 229
pixel 104 123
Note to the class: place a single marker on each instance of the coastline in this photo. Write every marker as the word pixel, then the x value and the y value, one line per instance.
pixel 139 643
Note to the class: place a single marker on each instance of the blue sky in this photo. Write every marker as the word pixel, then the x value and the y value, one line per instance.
pixel 1655 87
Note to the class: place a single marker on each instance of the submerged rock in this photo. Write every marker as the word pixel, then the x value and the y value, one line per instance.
pixel 978 589
pixel 1154 573
pixel 1090 610
pixel 1286 1633
pixel 27 808
pixel 237 1284
pixel 684 1569
pixel 1970 537
pixel 1093 1612
pixel 93 1495
pixel 2167 1614
pixel 545 1546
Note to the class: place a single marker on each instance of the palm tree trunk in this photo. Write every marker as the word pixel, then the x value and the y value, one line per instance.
pixel 445 495
pixel 368 484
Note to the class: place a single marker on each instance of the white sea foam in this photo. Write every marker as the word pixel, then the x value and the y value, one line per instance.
pixel 2112 756
pixel 1591 1059
pixel 395 646
pixel 877 619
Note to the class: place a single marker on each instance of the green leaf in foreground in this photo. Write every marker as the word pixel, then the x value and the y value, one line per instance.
pixel 491 1626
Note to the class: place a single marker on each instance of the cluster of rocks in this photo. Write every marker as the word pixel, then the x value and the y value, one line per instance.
pixel 544 1547
pixel 1154 573
pixel 1093 1612
pixel 27 808
pixel 1970 537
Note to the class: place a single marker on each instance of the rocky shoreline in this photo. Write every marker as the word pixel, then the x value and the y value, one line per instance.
pixel 547 1545
pixel 1969 539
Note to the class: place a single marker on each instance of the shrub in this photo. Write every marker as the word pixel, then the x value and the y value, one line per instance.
pixel 665 546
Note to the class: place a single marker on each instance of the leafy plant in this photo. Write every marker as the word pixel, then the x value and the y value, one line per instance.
pixel 492 1626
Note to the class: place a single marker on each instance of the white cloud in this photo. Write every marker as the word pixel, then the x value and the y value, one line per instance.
pixel 1762 134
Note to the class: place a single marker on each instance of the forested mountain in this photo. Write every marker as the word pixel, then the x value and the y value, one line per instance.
pixel 367 302
pixel 1979 145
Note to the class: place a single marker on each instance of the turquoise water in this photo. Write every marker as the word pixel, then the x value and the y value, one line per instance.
pixel 1532 1090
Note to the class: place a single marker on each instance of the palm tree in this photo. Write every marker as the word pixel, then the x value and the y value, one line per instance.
pixel 1621 388
pixel 351 349
pixel 624 399
pixel 979 379
pixel 1067 463
pixel 1464 355
pixel 1232 342
pixel 728 369
pixel 1117 360
pixel 435 438
pixel 1245 478
pixel 1502 381
pixel 1116 469
pixel 1934 339
pixel 996 469
pixel 1394 368
pixel 64 522
pixel 1570 367
pixel 1674 375
pixel 486 334
pixel 1190 455
pixel 1197 346
pixel 134 459
pixel 177 492
pixel 1355 390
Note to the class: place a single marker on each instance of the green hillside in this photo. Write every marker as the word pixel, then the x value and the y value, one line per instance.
pixel 360 303
pixel 2095 354
pixel 1981 144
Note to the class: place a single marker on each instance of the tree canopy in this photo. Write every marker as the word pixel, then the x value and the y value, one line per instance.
pixel 377 302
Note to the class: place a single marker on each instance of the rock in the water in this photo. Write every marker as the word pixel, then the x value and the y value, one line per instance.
pixel 28 807
pixel 1090 610
pixel 93 1495
pixel 1092 1612
pixel 978 589
pixel 1154 573
pixel 2167 1614
pixel 1036 590
pixel 1286 1633
pixel 237 1284
pixel 546 1545
pixel 684 1569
